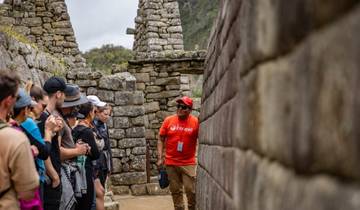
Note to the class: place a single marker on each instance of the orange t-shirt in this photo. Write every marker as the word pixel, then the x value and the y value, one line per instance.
pixel 181 140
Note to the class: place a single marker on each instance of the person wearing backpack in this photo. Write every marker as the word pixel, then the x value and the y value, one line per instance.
pixel 18 176
pixel 24 123
pixel 84 132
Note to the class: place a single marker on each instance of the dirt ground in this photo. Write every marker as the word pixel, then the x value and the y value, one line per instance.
pixel 145 202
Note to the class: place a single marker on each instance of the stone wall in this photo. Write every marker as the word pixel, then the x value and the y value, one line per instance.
pixel 45 23
pixel 163 81
pixel 157 28
pixel 279 118
pixel 28 61
pixel 126 126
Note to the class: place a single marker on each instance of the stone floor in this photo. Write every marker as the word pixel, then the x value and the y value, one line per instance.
pixel 145 202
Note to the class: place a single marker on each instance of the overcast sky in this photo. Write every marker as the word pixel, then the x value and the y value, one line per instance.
pixel 98 22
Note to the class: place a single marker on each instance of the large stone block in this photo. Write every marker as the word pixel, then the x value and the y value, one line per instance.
pixel 120 190
pixel 154 189
pixel 86 83
pixel 138 151
pixel 138 163
pixel 138 121
pixel 152 107
pixel 163 94
pixel 106 95
pixel 119 81
pixel 118 153
pixel 117 167
pixel 116 133
pixel 153 89
pixel 31 22
pixel 129 111
pixel 142 77
pixel 138 189
pixel 121 122
pixel 129 178
pixel 167 81
pixel 129 98
pixel 131 142
pixel 135 132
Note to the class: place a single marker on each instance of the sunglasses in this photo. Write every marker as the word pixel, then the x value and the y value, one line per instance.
pixel 183 107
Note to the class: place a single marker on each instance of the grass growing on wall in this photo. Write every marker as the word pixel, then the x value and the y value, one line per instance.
pixel 8 30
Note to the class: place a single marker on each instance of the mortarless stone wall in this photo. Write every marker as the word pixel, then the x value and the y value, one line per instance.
pixel 157 29
pixel 126 126
pixel 162 81
pixel 45 23
pixel 279 117
pixel 28 61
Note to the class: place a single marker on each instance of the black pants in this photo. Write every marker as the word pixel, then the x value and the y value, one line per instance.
pixel 52 197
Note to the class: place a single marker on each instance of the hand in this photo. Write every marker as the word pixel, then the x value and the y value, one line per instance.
pixel 55 182
pixel 50 123
pixel 59 123
pixel 34 150
pixel 160 162
pixel 82 148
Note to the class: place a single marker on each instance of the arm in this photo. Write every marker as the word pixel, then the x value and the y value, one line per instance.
pixel 21 164
pixel 161 140
pixel 160 149
pixel 50 170
pixel 69 153
pixel 89 138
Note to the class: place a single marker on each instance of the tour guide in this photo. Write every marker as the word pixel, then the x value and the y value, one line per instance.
pixel 180 133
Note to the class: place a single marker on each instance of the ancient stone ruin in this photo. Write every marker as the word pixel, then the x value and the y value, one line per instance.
pixel 279 116
pixel 45 23
pixel 158 29
pixel 37 40
pixel 279 126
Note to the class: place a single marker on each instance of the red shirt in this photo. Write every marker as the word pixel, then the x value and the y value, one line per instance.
pixel 183 132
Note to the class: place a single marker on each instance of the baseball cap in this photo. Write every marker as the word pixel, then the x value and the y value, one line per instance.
pixel 23 100
pixel 54 84
pixel 185 100
pixel 96 101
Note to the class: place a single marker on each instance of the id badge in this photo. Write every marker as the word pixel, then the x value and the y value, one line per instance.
pixel 180 146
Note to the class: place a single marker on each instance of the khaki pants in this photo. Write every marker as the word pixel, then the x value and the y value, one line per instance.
pixel 179 177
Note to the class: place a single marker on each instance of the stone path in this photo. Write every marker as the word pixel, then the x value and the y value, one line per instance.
pixel 145 202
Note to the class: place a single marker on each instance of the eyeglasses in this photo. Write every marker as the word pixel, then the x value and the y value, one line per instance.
pixel 183 107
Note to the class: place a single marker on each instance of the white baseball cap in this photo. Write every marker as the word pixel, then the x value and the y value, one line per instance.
pixel 96 101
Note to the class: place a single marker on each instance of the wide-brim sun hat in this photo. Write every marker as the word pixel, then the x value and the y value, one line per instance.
pixel 73 97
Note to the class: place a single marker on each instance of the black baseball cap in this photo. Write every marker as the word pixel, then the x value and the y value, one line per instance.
pixel 54 84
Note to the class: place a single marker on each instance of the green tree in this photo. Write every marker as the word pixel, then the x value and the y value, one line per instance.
pixel 104 57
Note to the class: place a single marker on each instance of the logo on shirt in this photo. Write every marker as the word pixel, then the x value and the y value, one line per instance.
pixel 179 128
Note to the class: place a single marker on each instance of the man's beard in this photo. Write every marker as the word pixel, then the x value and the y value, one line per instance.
pixel 58 105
